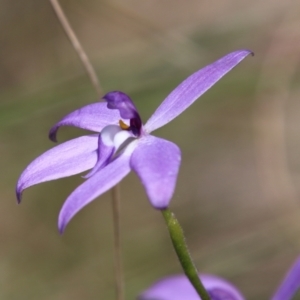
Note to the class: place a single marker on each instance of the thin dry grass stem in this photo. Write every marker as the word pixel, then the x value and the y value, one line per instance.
pixel 273 91
pixel 116 207
pixel 77 46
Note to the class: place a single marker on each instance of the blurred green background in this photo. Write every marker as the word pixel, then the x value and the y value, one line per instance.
pixel 237 195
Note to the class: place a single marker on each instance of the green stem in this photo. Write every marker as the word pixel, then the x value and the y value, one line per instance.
pixel 181 249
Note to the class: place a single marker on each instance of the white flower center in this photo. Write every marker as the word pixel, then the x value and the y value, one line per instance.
pixel 115 136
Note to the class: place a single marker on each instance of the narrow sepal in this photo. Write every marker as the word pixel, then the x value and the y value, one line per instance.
pixel 93 117
pixel 69 158
pixel 192 88
pixel 93 187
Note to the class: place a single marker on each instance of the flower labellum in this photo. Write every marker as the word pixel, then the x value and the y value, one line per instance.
pixel 121 144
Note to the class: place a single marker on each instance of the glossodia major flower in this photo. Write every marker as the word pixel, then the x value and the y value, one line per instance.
pixel 122 143
pixel 178 287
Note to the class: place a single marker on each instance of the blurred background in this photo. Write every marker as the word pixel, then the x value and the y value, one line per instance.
pixel 237 195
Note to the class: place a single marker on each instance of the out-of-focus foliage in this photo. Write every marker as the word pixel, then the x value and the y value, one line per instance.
pixel 237 195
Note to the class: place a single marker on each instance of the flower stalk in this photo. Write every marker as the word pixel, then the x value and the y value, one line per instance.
pixel 181 249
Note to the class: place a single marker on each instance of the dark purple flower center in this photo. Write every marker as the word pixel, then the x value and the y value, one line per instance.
pixel 122 102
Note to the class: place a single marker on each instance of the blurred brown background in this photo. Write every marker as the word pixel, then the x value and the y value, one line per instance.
pixel 238 191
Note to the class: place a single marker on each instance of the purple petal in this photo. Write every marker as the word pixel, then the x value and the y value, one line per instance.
pixel 220 289
pixel 96 185
pixel 122 102
pixel 156 162
pixel 69 158
pixel 92 117
pixel 106 148
pixel 290 284
pixel 105 153
pixel 192 88
pixel 178 287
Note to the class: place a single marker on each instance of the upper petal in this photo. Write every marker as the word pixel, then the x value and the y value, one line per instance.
pixel 96 185
pixel 192 88
pixel 290 284
pixel 69 158
pixel 92 117
pixel 122 102
pixel 178 287
pixel 156 162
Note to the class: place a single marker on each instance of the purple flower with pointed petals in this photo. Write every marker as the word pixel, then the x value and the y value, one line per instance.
pixel 178 287
pixel 122 144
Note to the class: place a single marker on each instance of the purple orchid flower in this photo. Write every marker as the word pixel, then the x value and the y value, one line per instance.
pixel 178 287
pixel 123 144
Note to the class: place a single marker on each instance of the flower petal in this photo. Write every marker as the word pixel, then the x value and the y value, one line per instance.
pixel 220 289
pixel 66 159
pixel 92 117
pixel 96 185
pixel 105 153
pixel 178 287
pixel 290 284
pixel 192 88
pixel 106 148
pixel 156 162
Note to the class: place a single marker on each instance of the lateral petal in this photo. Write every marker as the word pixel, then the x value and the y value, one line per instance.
pixel 96 185
pixel 178 287
pixel 92 117
pixel 106 148
pixel 66 159
pixel 192 88
pixel 105 153
pixel 156 162
pixel 290 284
